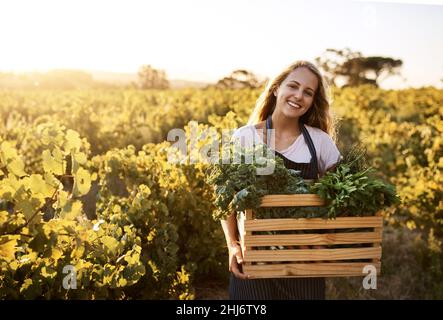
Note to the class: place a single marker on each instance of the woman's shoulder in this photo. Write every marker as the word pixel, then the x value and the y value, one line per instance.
pixel 316 132
pixel 247 130
pixel 319 135
pixel 245 135
pixel 241 131
pixel 248 135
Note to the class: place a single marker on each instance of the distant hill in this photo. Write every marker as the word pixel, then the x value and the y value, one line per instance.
pixel 178 84
pixel 126 78
pixel 79 79
pixel 113 77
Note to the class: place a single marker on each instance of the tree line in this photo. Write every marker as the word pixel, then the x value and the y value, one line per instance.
pixel 342 68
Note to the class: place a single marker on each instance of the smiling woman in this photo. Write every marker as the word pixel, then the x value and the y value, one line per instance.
pixel 297 90
pixel 302 85
pixel 293 103
pixel 292 115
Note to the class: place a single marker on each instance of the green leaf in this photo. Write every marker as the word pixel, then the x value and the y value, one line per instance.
pixel 62 198
pixel 10 158
pixel 38 185
pixel 77 159
pixel 122 282
pixel 54 162
pixel 30 290
pixel 73 141
pixel 48 272
pixel 51 180
pixel 82 182
pixel 17 167
pixel 71 210
pixel 7 247
pixel 9 187
pixel 110 243
pixel 27 205
pixel 26 284
pixel 56 254
pixel 7 152
pixel 80 157
pixel 3 217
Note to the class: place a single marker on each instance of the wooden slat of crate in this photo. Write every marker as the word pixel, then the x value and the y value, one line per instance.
pixel 245 247
pixel 323 262
pixel 312 223
pixel 312 254
pixel 320 269
pixel 379 229
pixel 291 200
pixel 312 239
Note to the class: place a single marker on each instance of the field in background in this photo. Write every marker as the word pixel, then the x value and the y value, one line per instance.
pixel 85 181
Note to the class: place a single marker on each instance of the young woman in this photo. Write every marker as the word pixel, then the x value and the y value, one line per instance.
pixel 295 108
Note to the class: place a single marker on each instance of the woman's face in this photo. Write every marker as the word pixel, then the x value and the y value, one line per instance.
pixel 295 94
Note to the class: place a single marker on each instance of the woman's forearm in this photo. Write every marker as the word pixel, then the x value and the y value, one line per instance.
pixel 230 229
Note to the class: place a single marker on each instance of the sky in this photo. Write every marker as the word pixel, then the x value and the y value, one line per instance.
pixel 204 40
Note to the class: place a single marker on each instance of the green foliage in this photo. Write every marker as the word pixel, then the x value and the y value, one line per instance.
pixel 402 131
pixel 355 68
pixel 132 245
pixel 239 185
pixel 150 78
pixel 158 211
pixel 349 190
pixel 350 193
pixel 109 119
pixel 167 203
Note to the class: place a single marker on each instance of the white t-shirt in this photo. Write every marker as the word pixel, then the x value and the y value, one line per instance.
pixel 327 152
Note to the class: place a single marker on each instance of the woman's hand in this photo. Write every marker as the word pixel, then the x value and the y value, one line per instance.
pixel 235 261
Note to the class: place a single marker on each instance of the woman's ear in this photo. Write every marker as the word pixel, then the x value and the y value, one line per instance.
pixel 275 92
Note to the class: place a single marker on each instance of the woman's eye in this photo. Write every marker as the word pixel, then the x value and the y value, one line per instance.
pixel 309 94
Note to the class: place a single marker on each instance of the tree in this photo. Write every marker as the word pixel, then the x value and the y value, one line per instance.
pixel 150 78
pixel 355 69
pixel 239 79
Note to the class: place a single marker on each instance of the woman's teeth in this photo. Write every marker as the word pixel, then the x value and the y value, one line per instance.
pixel 294 105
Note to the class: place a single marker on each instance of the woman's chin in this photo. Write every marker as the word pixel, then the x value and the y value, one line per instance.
pixel 293 113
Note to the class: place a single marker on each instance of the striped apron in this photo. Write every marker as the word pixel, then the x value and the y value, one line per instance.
pixel 283 288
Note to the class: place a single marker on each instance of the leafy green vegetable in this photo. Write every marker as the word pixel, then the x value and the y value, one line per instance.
pixel 238 186
pixel 350 190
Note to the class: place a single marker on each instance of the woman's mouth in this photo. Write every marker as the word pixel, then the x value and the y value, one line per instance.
pixel 294 105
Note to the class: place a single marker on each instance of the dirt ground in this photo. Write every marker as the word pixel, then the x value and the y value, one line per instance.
pixel 212 291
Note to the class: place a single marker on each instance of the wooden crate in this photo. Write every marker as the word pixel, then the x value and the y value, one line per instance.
pixel 312 262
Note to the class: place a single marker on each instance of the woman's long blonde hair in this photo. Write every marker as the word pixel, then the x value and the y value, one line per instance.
pixel 317 116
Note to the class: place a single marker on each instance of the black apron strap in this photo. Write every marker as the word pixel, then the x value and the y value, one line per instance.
pixel 268 129
pixel 308 141
pixel 311 147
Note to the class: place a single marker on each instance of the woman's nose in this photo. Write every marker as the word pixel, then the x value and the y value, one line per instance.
pixel 297 94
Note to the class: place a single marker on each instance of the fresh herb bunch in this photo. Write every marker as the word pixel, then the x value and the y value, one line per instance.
pixel 352 189
pixel 238 186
